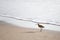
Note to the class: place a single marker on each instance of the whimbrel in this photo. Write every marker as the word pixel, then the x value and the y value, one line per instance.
pixel 40 26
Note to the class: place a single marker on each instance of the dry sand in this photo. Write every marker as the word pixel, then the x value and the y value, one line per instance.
pixel 10 32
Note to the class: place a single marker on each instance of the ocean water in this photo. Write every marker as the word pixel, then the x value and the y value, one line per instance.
pixel 28 24
pixel 36 10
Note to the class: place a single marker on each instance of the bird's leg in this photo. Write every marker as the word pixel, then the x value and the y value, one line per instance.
pixel 40 29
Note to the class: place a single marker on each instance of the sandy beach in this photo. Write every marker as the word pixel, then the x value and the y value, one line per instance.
pixel 10 32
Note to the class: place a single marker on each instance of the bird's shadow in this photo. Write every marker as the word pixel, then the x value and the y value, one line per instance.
pixel 29 32
pixel 32 32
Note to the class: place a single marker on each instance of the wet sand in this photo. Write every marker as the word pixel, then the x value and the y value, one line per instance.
pixel 10 32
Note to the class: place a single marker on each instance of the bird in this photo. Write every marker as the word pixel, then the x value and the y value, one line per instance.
pixel 40 26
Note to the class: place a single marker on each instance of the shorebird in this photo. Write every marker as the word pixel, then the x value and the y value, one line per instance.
pixel 40 26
